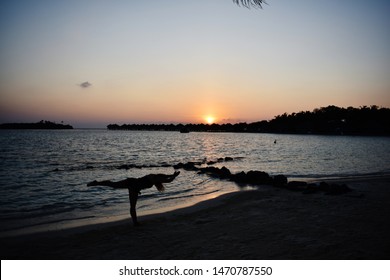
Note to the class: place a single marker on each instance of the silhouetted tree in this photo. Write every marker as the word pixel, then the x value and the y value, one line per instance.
pixel 325 120
pixel 39 125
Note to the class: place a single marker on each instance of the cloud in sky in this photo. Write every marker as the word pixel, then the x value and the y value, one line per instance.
pixel 85 84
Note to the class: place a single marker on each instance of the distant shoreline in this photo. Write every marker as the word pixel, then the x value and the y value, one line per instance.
pixel 331 120
pixel 38 125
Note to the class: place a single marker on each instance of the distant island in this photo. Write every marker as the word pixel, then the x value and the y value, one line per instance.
pixel 331 120
pixel 39 125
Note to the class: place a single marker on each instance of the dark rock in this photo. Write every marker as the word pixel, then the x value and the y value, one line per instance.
pixel 195 162
pixel 294 184
pixel 220 160
pixel 208 169
pixel 178 166
pixel 211 162
pixel 239 177
pixel 280 181
pixel 187 166
pixel 252 177
pixel 225 172
pixel 228 159
pixel 297 186
pixel 258 178
pixel 190 166
pixel 216 172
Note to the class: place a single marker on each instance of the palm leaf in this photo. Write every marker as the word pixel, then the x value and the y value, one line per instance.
pixel 250 3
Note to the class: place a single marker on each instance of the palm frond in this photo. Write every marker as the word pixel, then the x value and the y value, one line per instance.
pixel 250 3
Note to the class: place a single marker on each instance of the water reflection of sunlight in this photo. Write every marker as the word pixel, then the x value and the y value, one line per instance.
pixel 208 144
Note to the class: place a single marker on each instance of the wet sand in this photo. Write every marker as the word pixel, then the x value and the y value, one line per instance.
pixel 268 223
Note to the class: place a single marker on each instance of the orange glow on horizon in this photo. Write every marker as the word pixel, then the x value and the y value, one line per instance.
pixel 209 119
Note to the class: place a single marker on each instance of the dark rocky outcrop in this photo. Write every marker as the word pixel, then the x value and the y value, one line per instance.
pixel 297 185
pixel 189 166
pixel 222 173
pixel 280 181
pixel 257 178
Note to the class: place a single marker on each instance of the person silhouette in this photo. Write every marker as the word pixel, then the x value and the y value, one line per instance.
pixel 135 185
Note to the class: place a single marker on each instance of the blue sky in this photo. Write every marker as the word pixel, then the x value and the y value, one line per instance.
pixel 181 61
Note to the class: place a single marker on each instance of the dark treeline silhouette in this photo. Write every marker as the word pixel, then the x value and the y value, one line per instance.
pixel 39 125
pixel 334 120
pixel 331 120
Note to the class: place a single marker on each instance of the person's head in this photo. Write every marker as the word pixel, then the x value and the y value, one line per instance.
pixel 159 187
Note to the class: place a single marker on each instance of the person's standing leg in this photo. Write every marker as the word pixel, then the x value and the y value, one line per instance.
pixel 133 197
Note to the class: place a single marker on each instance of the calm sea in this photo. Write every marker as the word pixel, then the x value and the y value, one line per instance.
pixel 43 174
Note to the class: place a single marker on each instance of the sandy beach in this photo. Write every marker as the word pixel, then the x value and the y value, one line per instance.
pixel 267 223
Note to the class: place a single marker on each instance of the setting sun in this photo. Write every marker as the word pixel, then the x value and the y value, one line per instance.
pixel 209 119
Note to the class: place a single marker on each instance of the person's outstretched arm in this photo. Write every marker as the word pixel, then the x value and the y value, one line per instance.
pixel 124 184
pixel 158 179
pixel 162 178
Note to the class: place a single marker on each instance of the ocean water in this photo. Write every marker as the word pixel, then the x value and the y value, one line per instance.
pixel 43 174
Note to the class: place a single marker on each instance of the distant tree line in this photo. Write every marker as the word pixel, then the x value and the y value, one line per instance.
pixel 331 120
pixel 39 125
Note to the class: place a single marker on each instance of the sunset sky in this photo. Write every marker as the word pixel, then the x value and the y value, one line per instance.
pixel 91 63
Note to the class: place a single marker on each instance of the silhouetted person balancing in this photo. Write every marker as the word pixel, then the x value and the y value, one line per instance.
pixel 135 185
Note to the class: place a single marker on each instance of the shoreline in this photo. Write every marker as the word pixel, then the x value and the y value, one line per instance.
pixel 82 225
pixel 266 223
pixel 91 222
